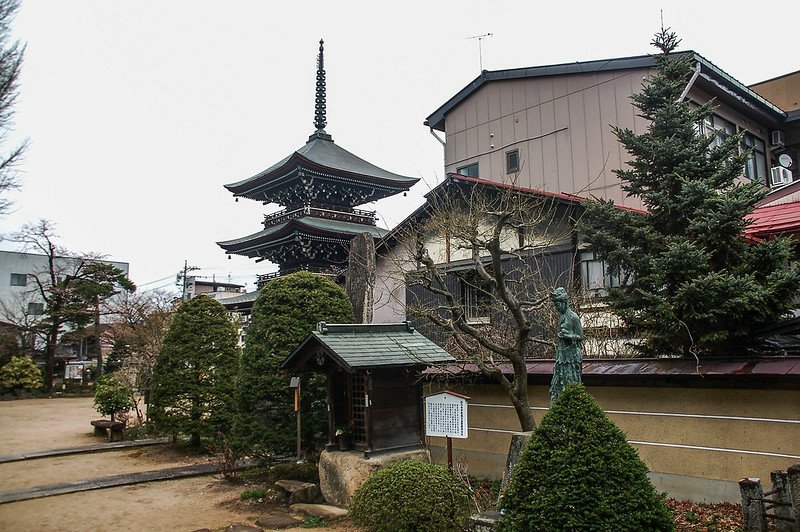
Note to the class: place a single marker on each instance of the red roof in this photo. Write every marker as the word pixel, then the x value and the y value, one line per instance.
pixel 775 220
pixel 537 191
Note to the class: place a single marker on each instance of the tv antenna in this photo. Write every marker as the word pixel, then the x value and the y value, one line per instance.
pixel 480 48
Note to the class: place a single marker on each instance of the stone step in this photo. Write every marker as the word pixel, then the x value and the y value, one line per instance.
pixel 323 511
pixel 298 491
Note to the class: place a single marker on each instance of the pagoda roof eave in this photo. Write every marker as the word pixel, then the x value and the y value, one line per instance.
pixel 307 225
pixel 326 157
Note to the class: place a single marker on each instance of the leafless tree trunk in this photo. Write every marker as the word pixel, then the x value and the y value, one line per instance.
pixel 495 308
pixel 68 285
pixel 11 54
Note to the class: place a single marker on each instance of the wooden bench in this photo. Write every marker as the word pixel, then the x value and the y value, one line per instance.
pixel 114 430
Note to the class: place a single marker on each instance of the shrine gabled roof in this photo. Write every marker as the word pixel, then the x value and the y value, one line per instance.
pixel 324 155
pixel 323 227
pixel 366 346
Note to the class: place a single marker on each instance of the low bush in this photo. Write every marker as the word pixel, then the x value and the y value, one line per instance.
pixel 21 373
pixel 578 472
pixel 112 395
pixel 411 495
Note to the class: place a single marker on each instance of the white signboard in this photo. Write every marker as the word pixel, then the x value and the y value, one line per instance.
pixel 446 415
pixel 74 370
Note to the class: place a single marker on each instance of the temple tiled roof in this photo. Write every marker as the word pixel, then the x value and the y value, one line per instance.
pixel 247 298
pixel 369 346
pixel 276 236
pixel 310 223
pixel 321 152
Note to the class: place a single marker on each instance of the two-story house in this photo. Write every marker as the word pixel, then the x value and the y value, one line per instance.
pixel 551 126
pixel 546 131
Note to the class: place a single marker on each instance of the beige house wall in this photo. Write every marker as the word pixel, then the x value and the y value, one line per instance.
pixel 783 91
pixel 562 127
pixel 697 442
pixel 559 124
pixel 389 292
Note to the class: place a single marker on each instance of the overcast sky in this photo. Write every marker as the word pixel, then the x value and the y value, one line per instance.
pixel 138 112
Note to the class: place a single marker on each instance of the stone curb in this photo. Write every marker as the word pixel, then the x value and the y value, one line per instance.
pixel 37 492
pixel 32 455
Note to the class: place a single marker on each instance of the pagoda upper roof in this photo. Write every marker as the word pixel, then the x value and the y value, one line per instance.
pixel 323 155
pixel 308 225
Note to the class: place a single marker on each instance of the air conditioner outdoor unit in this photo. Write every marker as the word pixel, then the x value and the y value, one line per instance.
pixel 776 139
pixel 780 176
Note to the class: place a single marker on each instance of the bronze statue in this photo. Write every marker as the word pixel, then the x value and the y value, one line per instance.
pixel 569 356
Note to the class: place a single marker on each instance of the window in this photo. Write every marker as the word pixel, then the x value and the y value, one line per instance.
pixel 596 276
pixel 756 166
pixel 35 309
pixel 19 279
pixel 471 170
pixel 717 127
pixel 476 299
pixel 512 161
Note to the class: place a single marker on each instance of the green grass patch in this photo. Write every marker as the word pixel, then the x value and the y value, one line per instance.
pixel 254 494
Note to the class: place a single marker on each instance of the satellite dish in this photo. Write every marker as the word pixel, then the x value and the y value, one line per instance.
pixel 785 160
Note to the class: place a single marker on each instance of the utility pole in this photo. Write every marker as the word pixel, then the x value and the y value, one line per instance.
pixel 98 348
pixel 183 279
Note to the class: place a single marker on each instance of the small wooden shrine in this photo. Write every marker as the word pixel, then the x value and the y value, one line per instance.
pixel 319 187
pixel 374 389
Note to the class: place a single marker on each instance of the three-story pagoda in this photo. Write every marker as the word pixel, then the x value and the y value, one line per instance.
pixel 319 187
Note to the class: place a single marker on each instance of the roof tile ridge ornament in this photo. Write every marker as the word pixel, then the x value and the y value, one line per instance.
pixel 320 103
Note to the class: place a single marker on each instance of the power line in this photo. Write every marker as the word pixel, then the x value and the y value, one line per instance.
pixel 156 281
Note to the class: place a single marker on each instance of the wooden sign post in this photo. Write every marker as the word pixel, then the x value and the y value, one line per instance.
pixel 446 416
pixel 294 384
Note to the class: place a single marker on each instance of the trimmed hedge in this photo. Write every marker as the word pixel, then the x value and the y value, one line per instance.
pixel 578 472
pixel 411 495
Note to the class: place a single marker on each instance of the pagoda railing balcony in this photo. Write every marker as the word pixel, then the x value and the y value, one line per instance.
pixel 357 216
pixel 264 278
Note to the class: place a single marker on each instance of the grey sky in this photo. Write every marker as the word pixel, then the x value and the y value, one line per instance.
pixel 138 112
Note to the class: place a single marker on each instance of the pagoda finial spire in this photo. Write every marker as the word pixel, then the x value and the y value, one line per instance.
pixel 319 105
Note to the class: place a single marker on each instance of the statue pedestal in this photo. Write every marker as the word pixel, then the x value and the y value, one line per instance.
pixel 519 440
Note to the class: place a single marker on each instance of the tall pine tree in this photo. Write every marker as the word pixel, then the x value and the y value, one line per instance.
pixel 194 378
pixel 695 283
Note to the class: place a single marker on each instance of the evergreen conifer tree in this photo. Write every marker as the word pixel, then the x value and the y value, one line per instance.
pixel 194 378
pixel 579 473
pixel 695 283
pixel 287 309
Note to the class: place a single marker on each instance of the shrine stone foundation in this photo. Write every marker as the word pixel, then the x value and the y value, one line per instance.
pixel 341 473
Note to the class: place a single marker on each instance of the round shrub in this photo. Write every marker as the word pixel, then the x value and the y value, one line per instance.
pixel 579 473
pixel 21 374
pixel 411 495
pixel 112 395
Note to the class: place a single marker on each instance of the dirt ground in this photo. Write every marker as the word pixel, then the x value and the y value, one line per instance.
pixel 183 505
